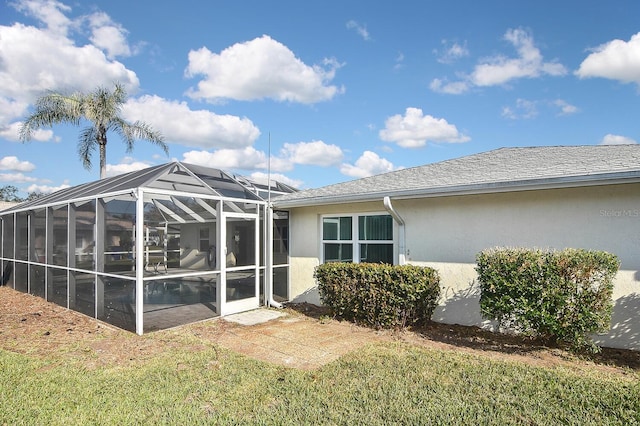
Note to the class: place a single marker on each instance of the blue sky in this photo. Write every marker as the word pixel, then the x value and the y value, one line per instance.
pixel 332 90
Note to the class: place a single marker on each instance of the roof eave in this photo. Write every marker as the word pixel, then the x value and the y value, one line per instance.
pixel 482 188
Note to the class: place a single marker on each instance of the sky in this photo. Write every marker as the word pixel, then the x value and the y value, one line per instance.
pixel 313 93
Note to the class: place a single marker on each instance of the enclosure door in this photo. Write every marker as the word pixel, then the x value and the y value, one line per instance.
pixel 240 291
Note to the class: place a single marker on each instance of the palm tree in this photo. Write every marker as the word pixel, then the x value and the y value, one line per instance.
pixel 101 108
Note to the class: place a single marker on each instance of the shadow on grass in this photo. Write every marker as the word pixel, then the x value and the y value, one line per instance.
pixel 476 338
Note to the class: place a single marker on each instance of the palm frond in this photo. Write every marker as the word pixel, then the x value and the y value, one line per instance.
pixel 53 108
pixel 130 132
pixel 87 145
pixel 119 93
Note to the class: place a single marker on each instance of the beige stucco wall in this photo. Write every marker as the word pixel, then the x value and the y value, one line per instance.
pixel 190 255
pixel 305 238
pixel 447 233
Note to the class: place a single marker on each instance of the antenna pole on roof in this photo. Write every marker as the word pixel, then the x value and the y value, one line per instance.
pixel 269 173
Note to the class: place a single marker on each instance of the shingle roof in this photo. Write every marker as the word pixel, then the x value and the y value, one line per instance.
pixel 504 169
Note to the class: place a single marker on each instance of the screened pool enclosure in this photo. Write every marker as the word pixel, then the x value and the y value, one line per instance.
pixel 151 249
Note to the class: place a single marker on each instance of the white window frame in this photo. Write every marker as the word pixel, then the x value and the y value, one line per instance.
pixel 201 239
pixel 355 240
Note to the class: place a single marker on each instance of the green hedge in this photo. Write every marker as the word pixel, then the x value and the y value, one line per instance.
pixel 379 295
pixel 560 296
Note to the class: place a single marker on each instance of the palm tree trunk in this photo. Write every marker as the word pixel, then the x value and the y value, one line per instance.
pixel 102 144
pixel 103 161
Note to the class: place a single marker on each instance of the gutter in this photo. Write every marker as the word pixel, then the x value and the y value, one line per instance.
pixel 401 228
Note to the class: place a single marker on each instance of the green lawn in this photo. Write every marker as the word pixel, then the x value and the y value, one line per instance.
pixel 382 384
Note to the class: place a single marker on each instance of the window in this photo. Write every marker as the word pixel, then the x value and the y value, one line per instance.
pixel 375 237
pixel 337 239
pixel 371 241
pixel 204 240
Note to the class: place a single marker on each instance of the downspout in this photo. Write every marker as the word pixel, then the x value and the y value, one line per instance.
pixel 268 276
pixel 268 291
pixel 401 230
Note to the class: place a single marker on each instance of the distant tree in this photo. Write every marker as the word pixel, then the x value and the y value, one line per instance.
pixel 9 193
pixel 101 108
pixel 34 195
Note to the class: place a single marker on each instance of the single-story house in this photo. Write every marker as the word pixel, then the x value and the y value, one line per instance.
pixel 441 215
pixel 151 249
pixel 6 204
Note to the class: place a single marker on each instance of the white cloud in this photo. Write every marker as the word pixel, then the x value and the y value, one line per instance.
pixel 368 164
pixel 258 69
pixel 508 112
pixel 108 35
pixel 399 61
pixel 450 88
pixel 49 12
pixel 616 140
pixel 245 159
pixel 16 178
pixel 451 52
pixel 105 33
pixel 315 153
pixel 616 60
pixel 127 165
pixel 12 132
pixel 498 70
pixel 201 128
pixel 277 164
pixel 12 163
pixel 529 63
pixel 11 109
pixel 262 177
pixel 523 109
pixel 526 109
pixel 414 130
pixel 36 60
pixel 46 189
pixel 360 29
pixel 565 107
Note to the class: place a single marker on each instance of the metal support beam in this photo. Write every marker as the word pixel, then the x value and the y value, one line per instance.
pixel 139 250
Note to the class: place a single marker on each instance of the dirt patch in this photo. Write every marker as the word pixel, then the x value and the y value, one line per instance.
pixel 32 326
pixel 504 346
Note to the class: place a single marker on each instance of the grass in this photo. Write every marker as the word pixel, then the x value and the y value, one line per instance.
pixel 394 383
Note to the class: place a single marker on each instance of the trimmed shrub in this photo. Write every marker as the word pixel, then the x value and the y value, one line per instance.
pixel 560 296
pixel 379 295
